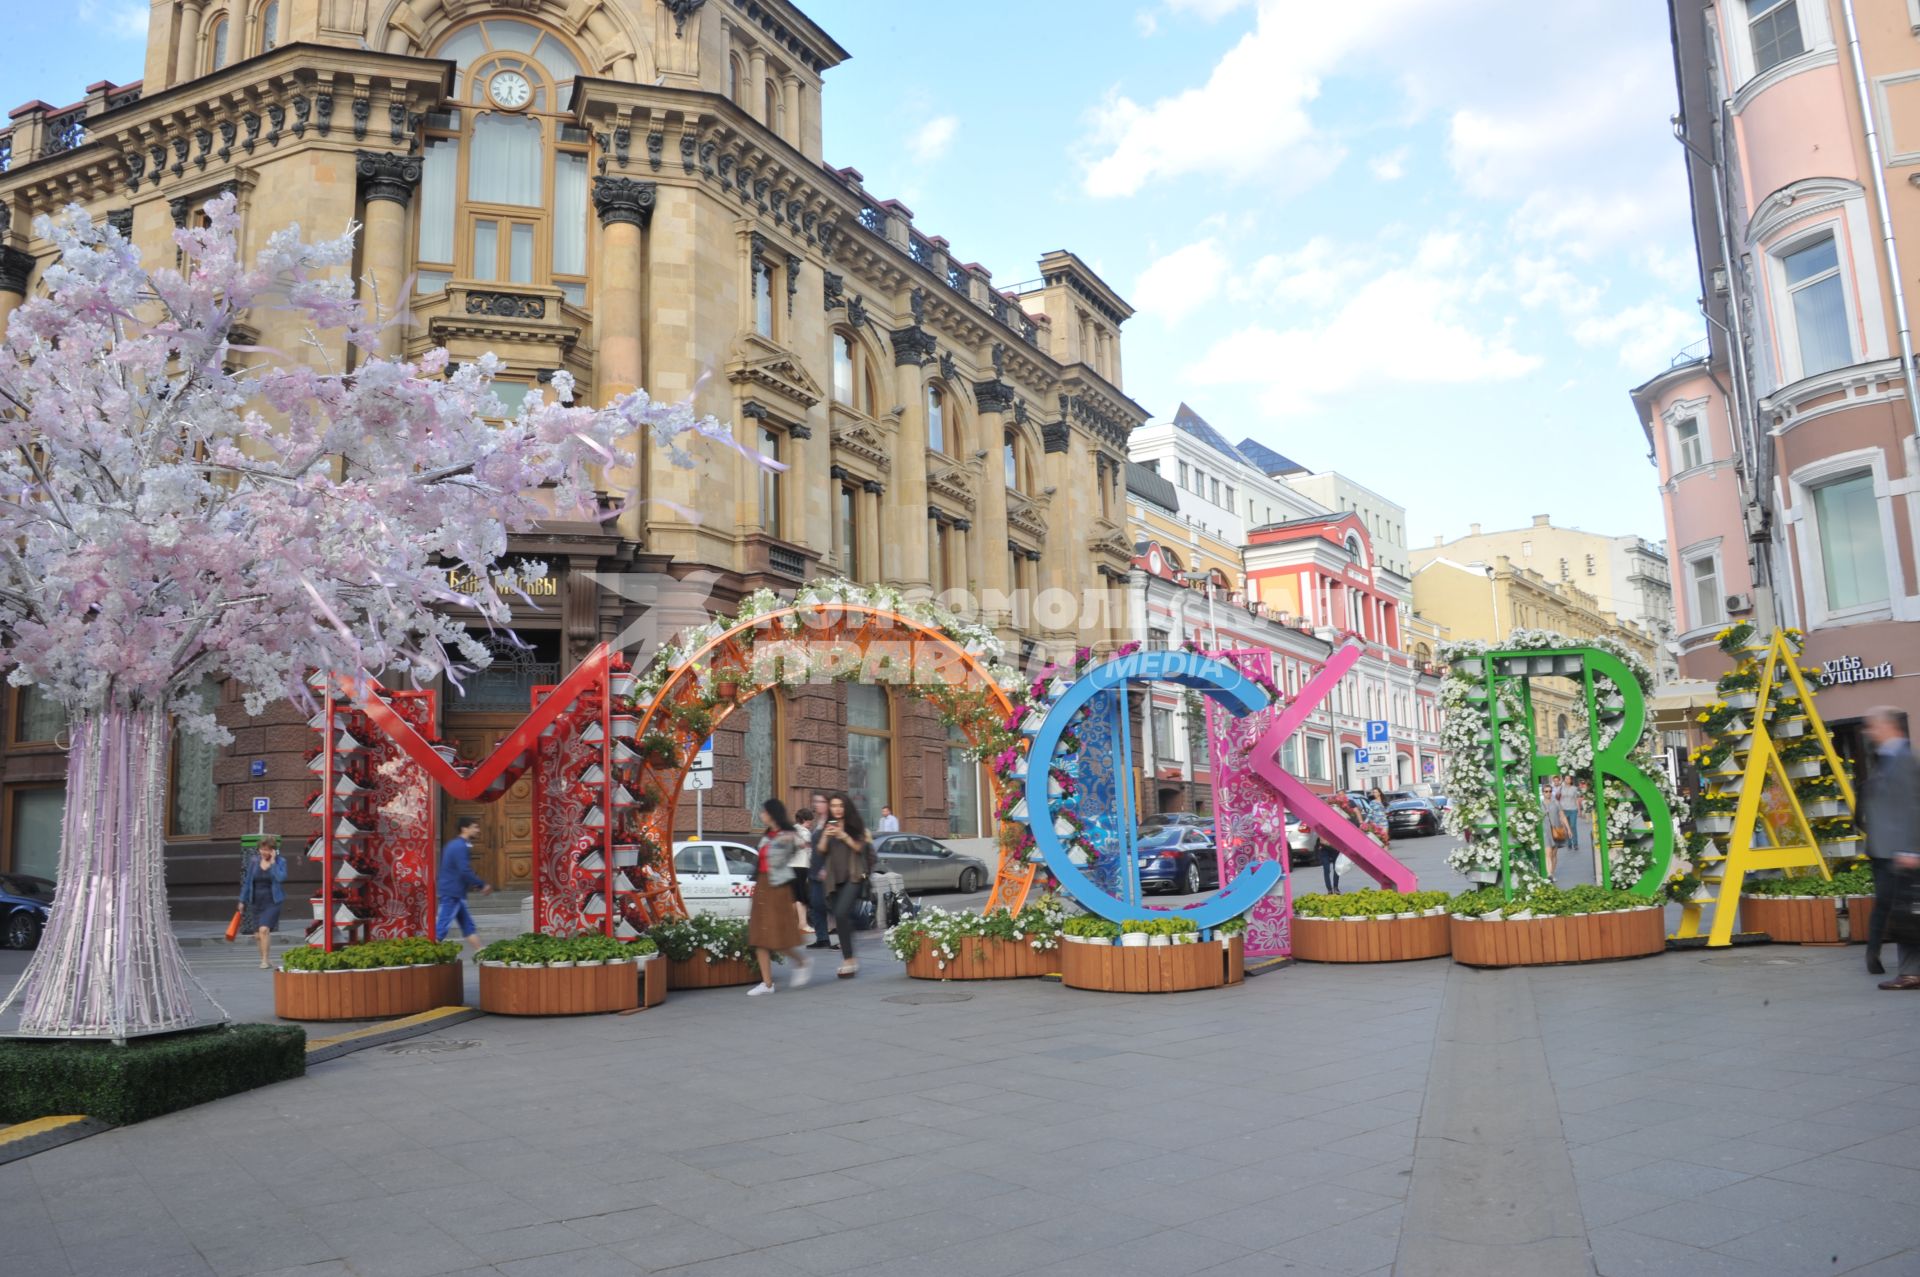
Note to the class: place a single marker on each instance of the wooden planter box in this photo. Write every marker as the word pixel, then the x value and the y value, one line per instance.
pixel 1372 939
pixel 1859 917
pixel 653 981
pixel 697 973
pixel 984 959
pixel 366 995
pixel 1173 968
pixel 1590 937
pixel 559 990
pixel 1235 954
pixel 1814 921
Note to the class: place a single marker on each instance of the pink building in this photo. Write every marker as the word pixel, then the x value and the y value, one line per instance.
pixel 1787 456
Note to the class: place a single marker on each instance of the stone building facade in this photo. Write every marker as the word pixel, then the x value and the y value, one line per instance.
pixel 633 191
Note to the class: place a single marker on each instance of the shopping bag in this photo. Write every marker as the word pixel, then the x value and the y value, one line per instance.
pixel 233 928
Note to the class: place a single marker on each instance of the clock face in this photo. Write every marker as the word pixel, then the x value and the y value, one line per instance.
pixel 510 89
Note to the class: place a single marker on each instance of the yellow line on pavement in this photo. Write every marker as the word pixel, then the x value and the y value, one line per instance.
pixel 38 1126
pixel 386 1026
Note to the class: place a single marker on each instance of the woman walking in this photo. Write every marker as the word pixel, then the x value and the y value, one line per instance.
pixel 772 923
pixel 263 890
pixel 849 862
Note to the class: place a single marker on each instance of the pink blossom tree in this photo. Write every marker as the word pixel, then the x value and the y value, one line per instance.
pixel 166 516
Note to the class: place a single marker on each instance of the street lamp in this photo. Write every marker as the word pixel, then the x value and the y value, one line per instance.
pixel 1493 600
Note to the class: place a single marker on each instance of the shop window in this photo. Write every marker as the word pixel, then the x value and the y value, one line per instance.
pixel 190 804
pixel 869 749
pixel 1853 561
pixel 33 829
pixel 963 787
pixel 762 743
pixel 38 718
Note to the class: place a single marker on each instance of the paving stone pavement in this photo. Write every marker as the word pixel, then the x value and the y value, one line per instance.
pixel 1749 1112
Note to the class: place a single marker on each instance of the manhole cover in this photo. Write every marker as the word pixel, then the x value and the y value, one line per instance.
pixel 931 995
pixel 1731 961
pixel 435 1047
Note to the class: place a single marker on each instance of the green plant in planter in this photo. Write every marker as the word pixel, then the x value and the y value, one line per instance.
pixel 1735 637
pixel 1815 788
pixel 1370 903
pixel 1234 926
pixel 658 748
pixel 1744 679
pixel 411 951
pixel 723 939
pixel 1091 926
pixel 694 717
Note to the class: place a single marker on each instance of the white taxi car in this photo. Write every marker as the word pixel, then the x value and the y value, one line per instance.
pixel 716 877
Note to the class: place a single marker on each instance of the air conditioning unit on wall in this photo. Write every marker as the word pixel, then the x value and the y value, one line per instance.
pixel 1739 603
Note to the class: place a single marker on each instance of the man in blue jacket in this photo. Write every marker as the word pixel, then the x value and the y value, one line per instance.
pixel 455 880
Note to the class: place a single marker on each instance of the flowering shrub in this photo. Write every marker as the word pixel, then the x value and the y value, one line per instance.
pixel 1545 901
pixel 942 933
pixel 723 939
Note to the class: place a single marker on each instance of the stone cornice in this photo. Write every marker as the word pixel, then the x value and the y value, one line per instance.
pixel 299 93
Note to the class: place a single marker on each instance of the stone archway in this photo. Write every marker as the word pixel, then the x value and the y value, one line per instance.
pixel 787 646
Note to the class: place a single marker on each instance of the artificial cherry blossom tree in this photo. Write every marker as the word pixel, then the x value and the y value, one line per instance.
pixel 175 506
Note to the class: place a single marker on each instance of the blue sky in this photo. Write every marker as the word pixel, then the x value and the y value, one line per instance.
pixel 1429 243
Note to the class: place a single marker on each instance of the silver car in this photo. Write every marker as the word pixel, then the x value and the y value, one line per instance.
pixel 928 865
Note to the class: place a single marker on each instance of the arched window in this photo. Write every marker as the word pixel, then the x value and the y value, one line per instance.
pixel 842 368
pixel 1563 727
pixel 937 420
pixel 1353 548
pixel 270 27
pixel 772 104
pixel 218 41
pixel 734 77
pixel 1010 456
pixel 504 189
pixel 869 749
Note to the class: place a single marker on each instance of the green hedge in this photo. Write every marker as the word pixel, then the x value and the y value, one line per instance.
pixel 146 1077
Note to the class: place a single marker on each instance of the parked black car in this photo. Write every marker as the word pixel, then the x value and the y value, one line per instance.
pixel 1178 860
pixel 1412 815
pixel 24 901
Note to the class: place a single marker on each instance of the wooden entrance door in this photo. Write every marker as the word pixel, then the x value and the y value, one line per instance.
pixel 503 854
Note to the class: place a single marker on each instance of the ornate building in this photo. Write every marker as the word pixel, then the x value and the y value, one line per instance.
pixel 633 191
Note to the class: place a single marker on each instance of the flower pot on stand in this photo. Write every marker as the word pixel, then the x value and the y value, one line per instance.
pixel 1134 940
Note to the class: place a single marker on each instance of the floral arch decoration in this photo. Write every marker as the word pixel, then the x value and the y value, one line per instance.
pixel 614 872
pixel 1497 767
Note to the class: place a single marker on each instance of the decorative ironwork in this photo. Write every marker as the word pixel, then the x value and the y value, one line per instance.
pixel 65 132
pixel 121 219
pixel 873 219
pixel 507 305
pixel 920 248
pixel 786 562
pixel 959 280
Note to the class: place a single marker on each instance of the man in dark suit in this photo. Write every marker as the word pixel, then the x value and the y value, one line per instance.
pixel 1892 819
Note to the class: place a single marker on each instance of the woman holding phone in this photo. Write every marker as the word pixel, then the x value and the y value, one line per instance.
pixel 263 890
pixel 849 863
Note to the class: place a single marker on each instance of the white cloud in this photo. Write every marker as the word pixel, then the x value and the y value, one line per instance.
pixel 1178 284
pixel 1207 10
pixel 1648 335
pixel 1412 323
pixel 1145 23
pixel 121 19
pixel 1250 117
pixel 930 141
pixel 1390 167
pixel 1319 274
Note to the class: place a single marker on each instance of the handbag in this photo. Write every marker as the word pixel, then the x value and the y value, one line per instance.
pixel 233 928
pixel 1558 830
pixel 1903 913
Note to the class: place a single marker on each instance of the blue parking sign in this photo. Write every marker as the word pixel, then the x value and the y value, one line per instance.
pixel 1377 731
pixel 260 806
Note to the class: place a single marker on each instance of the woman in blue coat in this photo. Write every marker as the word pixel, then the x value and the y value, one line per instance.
pixel 263 890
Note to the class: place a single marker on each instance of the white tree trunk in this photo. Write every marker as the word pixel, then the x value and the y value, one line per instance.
pixel 108 965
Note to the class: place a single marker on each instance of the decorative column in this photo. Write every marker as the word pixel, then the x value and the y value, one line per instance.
pixel 625 207
pixel 186 52
pixel 994 399
pixel 757 92
pixel 872 500
pixel 387 182
pixel 791 92
pixel 905 563
pixel 16 268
